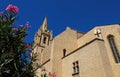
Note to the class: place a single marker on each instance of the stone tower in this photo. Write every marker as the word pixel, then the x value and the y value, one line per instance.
pixel 42 39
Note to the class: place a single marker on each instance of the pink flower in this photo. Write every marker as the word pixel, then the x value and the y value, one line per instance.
pixel 31 55
pixel 28 45
pixel 28 25
pixel 21 25
pixel 1 13
pixel 12 8
pixel 15 29
pixel 52 74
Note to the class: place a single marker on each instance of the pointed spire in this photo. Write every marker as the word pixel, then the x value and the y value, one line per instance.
pixel 44 25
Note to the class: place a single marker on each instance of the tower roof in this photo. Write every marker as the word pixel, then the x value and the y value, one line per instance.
pixel 44 26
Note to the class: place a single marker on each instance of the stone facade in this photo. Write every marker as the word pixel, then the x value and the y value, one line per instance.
pixel 77 54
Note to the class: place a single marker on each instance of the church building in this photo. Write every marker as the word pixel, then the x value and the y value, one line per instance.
pixel 78 54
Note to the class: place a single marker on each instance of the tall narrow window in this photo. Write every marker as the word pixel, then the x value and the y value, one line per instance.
pixel 44 40
pixel 75 68
pixel 64 52
pixel 114 48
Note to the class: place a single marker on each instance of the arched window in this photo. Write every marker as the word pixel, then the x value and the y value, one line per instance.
pixel 44 40
pixel 64 52
pixel 114 48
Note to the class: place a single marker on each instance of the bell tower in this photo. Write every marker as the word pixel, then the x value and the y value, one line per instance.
pixel 42 39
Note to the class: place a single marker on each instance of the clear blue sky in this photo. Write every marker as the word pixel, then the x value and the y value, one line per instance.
pixel 81 15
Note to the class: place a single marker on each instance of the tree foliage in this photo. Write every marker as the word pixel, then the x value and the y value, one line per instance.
pixel 13 61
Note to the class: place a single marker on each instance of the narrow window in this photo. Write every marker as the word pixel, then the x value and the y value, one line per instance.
pixel 44 40
pixel 114 48
pixel 64 52
pixel 75 68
